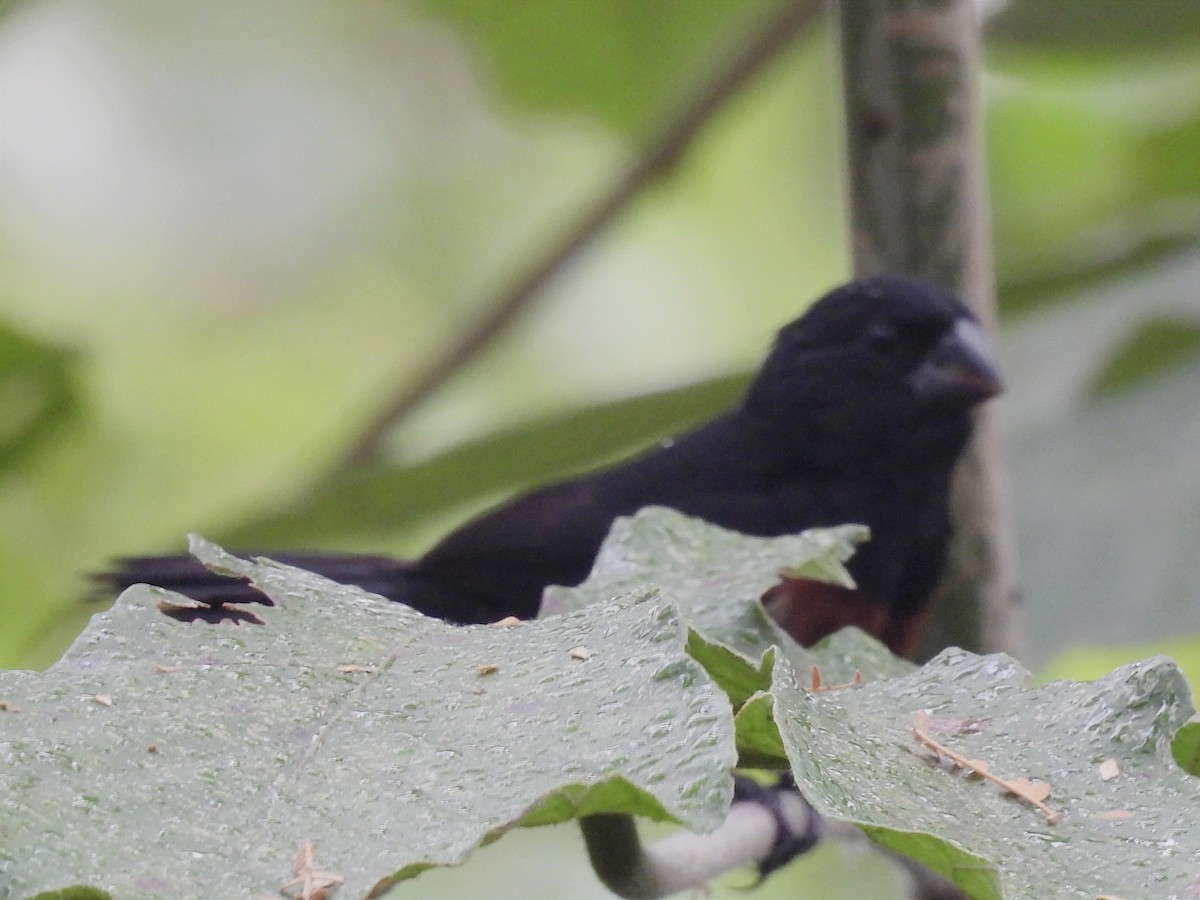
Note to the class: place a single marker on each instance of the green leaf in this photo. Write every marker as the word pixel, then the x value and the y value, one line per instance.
pixel 715 576
pixel 1111 27
pixel 622 60
pixel 387 499
pixel 1135 836
pixel 1083 663
pixel 352 722
pixel 1091 161
pixel 1156 347
pixel 1185 746
pixel 37 392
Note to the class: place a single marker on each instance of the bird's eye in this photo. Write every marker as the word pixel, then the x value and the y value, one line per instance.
pixel 881 337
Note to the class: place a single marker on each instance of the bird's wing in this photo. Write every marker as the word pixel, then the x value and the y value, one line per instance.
pixel 552 535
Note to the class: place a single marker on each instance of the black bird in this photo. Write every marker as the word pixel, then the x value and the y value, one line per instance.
pixel 859 414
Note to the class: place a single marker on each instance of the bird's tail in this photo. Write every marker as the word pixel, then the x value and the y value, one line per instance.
pixel 183 574
pixel 394 579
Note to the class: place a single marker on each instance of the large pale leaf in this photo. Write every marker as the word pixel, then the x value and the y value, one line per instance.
pixel 716 576
pixel 853 754
pixel 383 737
pixel 395 743
pixel 1135 834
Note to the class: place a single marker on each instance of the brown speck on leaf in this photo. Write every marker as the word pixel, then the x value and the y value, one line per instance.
pixel 487 669
pixel 153 748
pixel 1109 770
pixel 103 699
pixel 506 622
pixel 579 653
pixel 5 706
pixel 351 668
pixel 1034 793
pixel 164 670
pixel 1115 815
pixel 310 882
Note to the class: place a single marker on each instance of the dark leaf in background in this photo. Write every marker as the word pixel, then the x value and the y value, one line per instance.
pixel 1107 491
pixel 624 61
pixel 1098 25
pixel 1155 348
pixel 389 499
pixel 37 393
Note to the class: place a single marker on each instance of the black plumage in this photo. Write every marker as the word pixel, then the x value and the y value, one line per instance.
pixel 859 414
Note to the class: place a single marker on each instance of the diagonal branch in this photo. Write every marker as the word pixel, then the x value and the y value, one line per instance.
pixel 661 155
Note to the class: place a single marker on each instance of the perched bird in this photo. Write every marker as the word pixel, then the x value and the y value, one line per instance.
pixel 859 414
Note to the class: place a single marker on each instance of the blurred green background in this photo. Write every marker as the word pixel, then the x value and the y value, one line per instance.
pixel 230 233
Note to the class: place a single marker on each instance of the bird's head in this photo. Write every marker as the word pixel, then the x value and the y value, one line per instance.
pixel 880 368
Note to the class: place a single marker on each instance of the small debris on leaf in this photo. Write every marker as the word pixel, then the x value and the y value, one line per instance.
pixel 579 653
pixel 103 699
pixel 153 748
pixel 5 706
pixel 163 670
pixel 1032 792
pixel 1109 770
pixel 506 622
pixel 487 669
pixel 819 685
pixel 353 668
pixel 313 883
pixel 1115 815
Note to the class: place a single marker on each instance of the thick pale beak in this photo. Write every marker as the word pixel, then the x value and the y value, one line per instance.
pixel 959 369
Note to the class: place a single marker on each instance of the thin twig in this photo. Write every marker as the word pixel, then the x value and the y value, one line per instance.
pixel 661 155
pixel 313 883
pixel 1032 792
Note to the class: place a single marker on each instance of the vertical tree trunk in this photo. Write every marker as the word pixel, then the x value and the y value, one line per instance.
pixel 919 207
